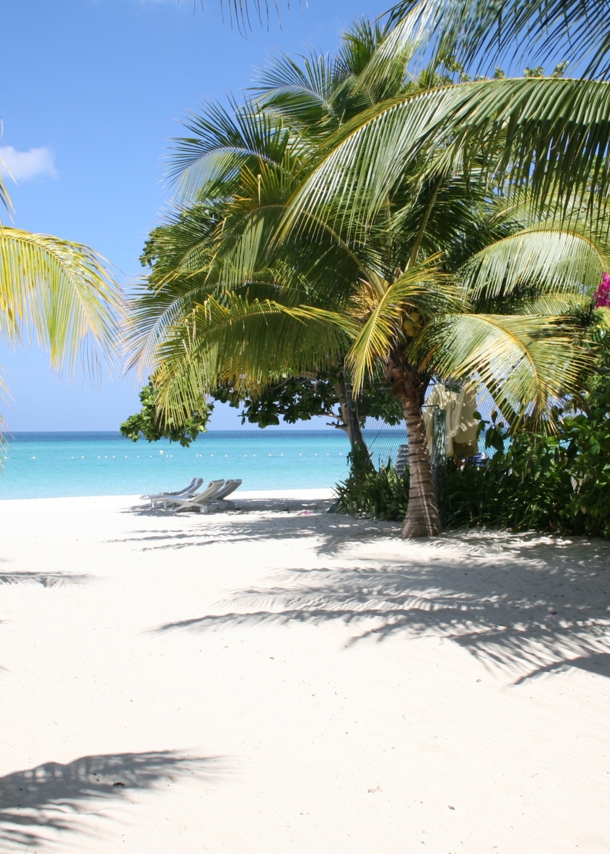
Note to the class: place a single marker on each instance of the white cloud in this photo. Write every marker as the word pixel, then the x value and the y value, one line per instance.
pixel 23 165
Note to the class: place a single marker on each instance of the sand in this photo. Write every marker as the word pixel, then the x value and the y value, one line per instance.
pixel 284 681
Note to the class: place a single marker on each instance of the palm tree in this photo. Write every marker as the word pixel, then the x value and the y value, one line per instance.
pixel 493 310
pixel 59 293
pixel 439 280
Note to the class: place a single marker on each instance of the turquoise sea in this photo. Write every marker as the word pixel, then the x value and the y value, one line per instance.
pixel 50 465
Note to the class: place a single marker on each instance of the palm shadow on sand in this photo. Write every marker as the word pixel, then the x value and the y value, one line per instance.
pixel 45 579
pixel 297 520
pixel 51 797
pixel 522 604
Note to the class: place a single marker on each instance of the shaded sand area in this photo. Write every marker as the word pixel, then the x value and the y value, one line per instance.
pixel 283 681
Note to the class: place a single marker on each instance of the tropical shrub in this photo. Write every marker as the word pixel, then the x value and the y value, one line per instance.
pixel 531 480
pixel 379 493
pixel 538 481
pixel 525 484
pixel 587 455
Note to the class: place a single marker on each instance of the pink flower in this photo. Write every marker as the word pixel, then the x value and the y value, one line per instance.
pixel 602 294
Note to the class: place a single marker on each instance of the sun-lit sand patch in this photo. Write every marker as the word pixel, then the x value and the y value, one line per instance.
pixel 281 679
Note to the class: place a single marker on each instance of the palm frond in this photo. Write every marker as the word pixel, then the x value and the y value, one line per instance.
pixel 244 341
pixel 60 293
pixel 152 314
pixel 302 93
pixel 392 55
pixel 544 257
pixel 549 134
pixel 242 12
pixel 222 141
pixel 183 244
pixel 523 361
pixel 487 33
pixel 366 159
pixel 563 304
pixel 422 290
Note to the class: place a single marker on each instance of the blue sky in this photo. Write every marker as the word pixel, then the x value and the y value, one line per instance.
pixel 92 91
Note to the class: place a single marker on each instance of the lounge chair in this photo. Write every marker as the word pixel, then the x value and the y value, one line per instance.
pixel 220 499
pixel 187 492
pixel 202 501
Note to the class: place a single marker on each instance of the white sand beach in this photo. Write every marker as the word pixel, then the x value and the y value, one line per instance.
pixel 283 681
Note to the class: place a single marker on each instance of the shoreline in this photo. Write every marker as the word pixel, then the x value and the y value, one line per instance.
pixel 74 468
pixel 297 682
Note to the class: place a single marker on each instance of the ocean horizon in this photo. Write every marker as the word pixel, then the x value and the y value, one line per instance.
pixel 72 464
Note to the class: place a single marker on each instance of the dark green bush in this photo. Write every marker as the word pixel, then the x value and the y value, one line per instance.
pixel 380 493
pixel 549 483
pixel 525 484
pixel 587 458
pixel 532 480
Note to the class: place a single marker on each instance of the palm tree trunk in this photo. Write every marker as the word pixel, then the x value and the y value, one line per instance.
pixel 423 517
